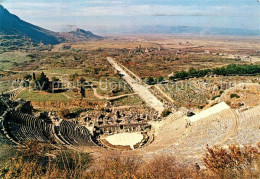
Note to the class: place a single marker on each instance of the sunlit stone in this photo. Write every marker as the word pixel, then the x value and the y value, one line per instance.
pixel 125 139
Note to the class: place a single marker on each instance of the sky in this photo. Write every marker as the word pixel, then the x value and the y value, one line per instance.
pixel 117 16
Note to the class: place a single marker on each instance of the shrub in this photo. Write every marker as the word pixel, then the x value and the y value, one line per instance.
pixel 234 96
pixel 82 80
pixel 27 77
pixel 232 69
pixel 213 98
pixel 159 79
pixel 150 80
pixel 73 77
pixel 166 112
pixel 233 161
pixel 72 160
pixel 31 161
pixel 64 112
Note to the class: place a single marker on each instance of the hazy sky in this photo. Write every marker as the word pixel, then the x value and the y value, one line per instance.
pixel 106 16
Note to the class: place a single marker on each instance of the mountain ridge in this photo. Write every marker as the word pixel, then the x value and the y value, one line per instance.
pixel 80 35
pixel 11 24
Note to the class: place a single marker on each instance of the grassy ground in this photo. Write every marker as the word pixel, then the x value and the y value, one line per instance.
pixel 128 101
pixel 8 59
pixel 63 71
pixel 42 96
pixel 5 86
pixel 90 95
pixel 105 87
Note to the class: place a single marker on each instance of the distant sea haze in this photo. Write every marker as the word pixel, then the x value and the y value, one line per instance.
pixel 190 30
pixel 197 30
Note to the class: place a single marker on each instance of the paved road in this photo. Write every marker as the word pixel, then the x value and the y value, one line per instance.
pixel 141 90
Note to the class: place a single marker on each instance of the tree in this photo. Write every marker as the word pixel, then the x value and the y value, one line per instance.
pixel 42 83
pixel 150 80
pixel 166 112
pixel 82 92
pixel 64 112
pixel 73 77
pixel 192 72
pixel 34 76
pixel 234 96
pixel 82 80
pixel 26 84
pixel 54 79
pixel 159 79
pixel 27 77
pixel 182 74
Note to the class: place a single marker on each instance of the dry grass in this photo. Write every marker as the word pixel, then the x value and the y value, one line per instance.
pixel 43 161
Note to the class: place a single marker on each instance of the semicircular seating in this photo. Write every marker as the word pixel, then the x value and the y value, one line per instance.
pixel 249 128
pixel 24 127
pixel 74 134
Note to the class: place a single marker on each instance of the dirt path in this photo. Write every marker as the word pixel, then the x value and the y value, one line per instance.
pixel 64 94
pixel 15 92
pixel 110 98
pixel 141 90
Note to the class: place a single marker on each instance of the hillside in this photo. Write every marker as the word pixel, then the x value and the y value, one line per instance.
pixel 10 24
pixel 80 35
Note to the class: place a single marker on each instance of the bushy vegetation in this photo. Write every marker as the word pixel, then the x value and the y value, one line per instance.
pixel 166 112
pixel 234 96
pixel 12 42
pixel 150 80
pixel 234 161
pixel 161 63
pixel 232 69
pixel 42 82
pixel 215 97
pixel 191 73
pixel 43 161
pixel 63 112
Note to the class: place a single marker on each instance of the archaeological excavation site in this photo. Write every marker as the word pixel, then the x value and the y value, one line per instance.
pixel 129 89
pixel 141 131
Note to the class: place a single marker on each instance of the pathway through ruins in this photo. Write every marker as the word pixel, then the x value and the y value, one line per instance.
pixel 141 90
pixel 110 98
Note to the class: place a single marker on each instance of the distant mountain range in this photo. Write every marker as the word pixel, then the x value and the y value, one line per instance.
pixel 10 24
pixel 196 30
